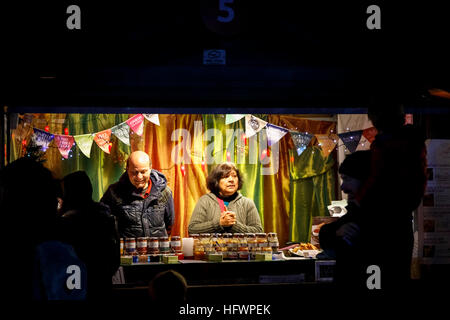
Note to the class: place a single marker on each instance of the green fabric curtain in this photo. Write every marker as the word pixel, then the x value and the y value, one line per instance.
pixel 312 181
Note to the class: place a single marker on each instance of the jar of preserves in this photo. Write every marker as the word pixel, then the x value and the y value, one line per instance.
pixel 242 240
pixel 251 240
pixel 130 245
pixel 261 239
pixel 175 244
pixel 226 239
pixel 199 252
pixel 273 241
pixel 243 253
pixel 141 245
pixel 164 245
pixel 121 246
pixel 153 245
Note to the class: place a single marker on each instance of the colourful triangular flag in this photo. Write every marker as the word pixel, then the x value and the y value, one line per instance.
pixel 370 133
pixel 64 143
pixel 351 139
pixel 102 139
pixel 327 143
pixel 136 124
pixel 122 132
pixel 153 118
pixel 253 125
pixel 274 133
pixel 230 118
pixel 42 138
pixel 301 140
pixel 84 142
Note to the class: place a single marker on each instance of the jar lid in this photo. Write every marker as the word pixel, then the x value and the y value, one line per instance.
pixel 130 239
pixel 175 237
pixel 142 238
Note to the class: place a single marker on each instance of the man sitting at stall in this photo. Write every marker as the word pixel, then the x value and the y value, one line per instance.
pixel 141 200
pixel 224 209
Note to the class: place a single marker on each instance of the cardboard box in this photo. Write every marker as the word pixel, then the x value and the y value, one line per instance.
pixel 216 257
pixel 170 259
pixel 126 260
pixel 263 257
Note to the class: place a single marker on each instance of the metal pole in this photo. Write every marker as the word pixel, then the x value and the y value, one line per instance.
pixel 2 137
pixel 8 136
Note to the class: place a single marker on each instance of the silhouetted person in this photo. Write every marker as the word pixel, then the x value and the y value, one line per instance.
pixel 38 260
pixel 341 239
pixel 167 292
pixel 394 188
pixel 90 228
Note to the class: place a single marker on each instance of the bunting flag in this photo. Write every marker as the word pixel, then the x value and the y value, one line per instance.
pixel 64 143
pixel 42 138
pixel 136 124
pixel 351 139
pixel 327 143
pixel 84 142
pixel 301 140
pixel 230 118
pixel 102 139
pixel 153 118
pixel 253 125
pixel 122 132
pixel 370 133
pixel 274 133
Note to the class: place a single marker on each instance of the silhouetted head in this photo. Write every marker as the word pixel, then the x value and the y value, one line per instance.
pixel 386 113
pixel 77 190
pixel 354 171
pixel 28 196
pixel 168 288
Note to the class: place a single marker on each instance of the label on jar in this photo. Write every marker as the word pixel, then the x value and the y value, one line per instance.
pixel 153 244
pixel 164 244
pixel 262 244
pixel 232 255
pixel 176 244
pixel 142 244
pixel 130 245
pixel 274 244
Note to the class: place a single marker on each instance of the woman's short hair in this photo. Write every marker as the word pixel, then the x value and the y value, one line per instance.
pixel 221 171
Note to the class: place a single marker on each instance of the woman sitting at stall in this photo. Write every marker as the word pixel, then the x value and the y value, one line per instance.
pixel 224 209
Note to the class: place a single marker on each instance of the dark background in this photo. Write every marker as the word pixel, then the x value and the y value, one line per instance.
pixel 282 56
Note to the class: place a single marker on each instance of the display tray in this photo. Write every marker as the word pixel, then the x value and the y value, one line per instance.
pixel 305 253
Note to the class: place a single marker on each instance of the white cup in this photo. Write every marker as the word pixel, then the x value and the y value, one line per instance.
pixel 188 247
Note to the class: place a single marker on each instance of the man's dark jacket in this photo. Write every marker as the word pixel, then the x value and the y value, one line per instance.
pixel 139 217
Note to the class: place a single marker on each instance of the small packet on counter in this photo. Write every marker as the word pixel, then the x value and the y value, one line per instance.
pixel 337 208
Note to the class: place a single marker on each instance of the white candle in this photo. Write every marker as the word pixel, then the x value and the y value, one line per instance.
pixel 188 247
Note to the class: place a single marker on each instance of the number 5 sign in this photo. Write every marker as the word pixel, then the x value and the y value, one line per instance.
pixel 222 16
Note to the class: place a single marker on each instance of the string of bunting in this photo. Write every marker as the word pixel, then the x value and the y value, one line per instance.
pixel 102 138
pixel 301 140
pixel 253 125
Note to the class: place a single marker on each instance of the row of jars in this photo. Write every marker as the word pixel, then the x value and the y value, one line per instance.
pixel 150 245
pixel 235 246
